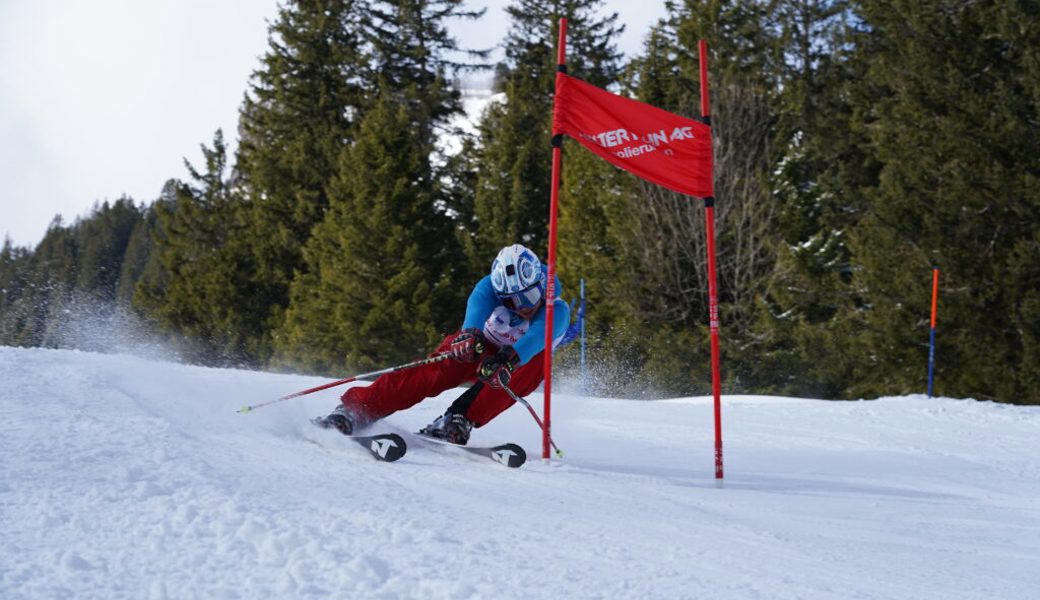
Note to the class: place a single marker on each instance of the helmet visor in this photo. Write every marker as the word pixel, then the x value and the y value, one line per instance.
pixel 524 300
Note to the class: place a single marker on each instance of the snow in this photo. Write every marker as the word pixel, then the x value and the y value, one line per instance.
pixel 122 477
pixel 475 101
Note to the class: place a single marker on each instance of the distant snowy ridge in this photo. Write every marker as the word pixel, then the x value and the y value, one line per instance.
pixel 474 102
pixel 127 478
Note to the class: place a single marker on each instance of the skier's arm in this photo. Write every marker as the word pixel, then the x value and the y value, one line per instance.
pixel 482 301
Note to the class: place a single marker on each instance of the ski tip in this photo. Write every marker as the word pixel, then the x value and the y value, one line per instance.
pixel 387 447
pixel 245 409
pixel 510 455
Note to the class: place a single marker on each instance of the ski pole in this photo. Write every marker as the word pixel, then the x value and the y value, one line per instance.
pixel 514 396
pixel 418 363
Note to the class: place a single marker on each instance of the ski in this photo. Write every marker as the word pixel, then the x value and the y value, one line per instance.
pixel 510 455
pixel 386 447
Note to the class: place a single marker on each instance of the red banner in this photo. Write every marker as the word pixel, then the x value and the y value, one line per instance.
pixel 661 147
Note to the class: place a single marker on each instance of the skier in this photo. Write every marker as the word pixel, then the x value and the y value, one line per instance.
pixel 500 344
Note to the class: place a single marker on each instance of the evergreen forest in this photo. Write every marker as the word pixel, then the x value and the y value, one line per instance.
pixel 859 144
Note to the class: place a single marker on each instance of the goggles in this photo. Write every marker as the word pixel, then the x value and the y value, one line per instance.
pixel 525 299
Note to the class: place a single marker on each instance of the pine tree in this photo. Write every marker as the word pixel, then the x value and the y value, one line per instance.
pixel 374 292
pixel 68 280
pixel 140 254
pixel 101 241
pixel 15 264
pixel 955 125
pixel 299 114
pixel 411 56
pixel 821 162
pixel 52 272
pixel 819 157
pixel 514 160
pixel 203 290
pixel 655 286
pixel 387 193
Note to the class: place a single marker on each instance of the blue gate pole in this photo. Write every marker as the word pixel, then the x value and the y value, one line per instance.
pixel 581 322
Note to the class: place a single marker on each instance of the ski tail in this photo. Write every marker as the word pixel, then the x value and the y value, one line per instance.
pixel 386 447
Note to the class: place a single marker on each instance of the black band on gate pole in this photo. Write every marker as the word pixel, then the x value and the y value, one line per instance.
pixel 709 202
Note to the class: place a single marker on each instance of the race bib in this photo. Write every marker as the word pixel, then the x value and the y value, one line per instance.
pixel 505 328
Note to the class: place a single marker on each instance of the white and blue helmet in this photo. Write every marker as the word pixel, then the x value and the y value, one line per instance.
pixel 518 279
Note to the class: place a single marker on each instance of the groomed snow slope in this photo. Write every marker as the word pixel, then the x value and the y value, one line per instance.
pixel 127 478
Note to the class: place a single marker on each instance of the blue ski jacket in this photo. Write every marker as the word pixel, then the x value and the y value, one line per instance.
pixel 506 328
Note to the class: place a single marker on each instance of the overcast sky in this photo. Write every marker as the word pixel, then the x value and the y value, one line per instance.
pixel 105 98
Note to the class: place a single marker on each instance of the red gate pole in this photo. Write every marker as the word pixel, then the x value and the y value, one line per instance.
pixel 931 334
pixel 550 288
pixel 713 295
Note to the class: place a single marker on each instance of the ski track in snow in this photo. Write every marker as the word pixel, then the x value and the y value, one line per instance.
pixel 127 478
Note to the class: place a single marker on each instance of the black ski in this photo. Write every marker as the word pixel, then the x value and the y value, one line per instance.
pixel 510 455
pixel 386 447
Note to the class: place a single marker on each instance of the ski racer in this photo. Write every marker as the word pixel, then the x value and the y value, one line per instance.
pixel 499 345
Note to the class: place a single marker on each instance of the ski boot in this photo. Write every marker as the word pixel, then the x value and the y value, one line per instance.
pixel 341 419
pixel 450 427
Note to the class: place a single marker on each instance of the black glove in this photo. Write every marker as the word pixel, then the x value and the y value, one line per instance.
pixel 497 369
pixel 467 346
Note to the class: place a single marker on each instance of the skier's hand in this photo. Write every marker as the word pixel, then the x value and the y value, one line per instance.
pixel 468 346
pixel 497 369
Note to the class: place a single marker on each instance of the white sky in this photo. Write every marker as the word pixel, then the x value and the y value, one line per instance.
pixel 103 98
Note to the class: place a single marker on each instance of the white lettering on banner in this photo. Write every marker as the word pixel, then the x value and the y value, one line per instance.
pixel 636 151
pixel 657 138
pixel 682 133
pixel 650 142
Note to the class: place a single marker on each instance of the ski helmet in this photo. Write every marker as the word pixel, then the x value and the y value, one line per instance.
pixel 518 279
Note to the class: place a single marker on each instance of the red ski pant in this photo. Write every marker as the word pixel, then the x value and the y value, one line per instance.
pixel 403 389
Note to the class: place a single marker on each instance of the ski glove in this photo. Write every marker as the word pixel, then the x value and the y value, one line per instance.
pixel 497 369
pixel 467 346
